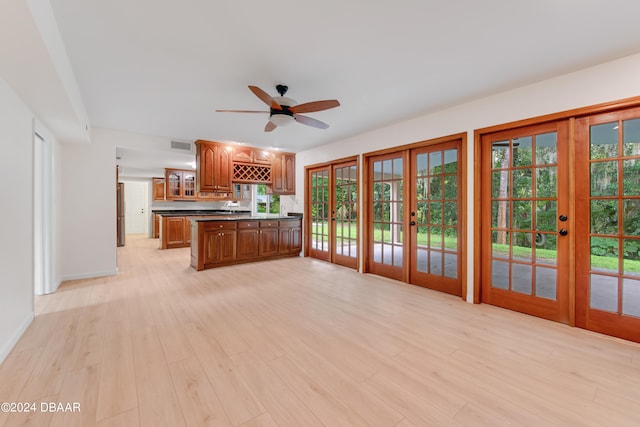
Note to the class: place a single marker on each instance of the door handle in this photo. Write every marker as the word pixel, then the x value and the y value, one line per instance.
pixel 563 232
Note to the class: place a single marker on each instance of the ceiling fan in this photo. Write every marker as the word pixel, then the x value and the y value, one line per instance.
pixel 283 110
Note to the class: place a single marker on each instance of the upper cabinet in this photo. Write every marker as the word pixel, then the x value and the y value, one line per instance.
pixel 158 189
pixel 180 184
pixel 283 174
pixel 220 166
pixel 214 167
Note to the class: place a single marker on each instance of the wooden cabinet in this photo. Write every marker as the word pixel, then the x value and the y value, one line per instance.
pixel 248 239
pixel 290 236
pixel 173 232
pixel 214 167
pixel 158 189
pixel 220 242
pixel 180 184
pixel 156 226
pixel 268 238
pixel 224 242
pixel 219 166
pixel 283 174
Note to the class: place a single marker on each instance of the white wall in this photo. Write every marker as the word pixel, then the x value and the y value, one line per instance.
pixel 16 193
pixel 88 210
pixel 607 82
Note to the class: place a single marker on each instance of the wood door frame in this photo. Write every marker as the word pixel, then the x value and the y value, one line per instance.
pixel 414 275
pixel 615 324
pixel 406 148
pixel 569 115
pixel 561 308
pixel 307 199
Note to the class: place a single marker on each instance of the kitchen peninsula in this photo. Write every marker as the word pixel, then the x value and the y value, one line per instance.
pixel 221 241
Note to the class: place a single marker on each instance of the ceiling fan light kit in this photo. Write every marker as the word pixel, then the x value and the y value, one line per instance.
pixel 284 110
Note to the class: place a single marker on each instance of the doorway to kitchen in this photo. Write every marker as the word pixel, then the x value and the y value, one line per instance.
pixel 332 212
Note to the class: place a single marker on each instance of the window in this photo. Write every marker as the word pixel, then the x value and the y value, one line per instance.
pixel 266 203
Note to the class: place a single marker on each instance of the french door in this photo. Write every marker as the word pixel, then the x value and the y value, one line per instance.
pixel 608 229
pixel 333 214
pixel 526 222
pixel 415 215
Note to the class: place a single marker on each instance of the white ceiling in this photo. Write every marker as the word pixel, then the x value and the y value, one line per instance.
pixel 161 67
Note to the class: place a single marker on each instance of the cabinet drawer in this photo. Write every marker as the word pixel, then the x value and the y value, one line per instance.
pixel 220 225
pixel 289 223
pixel 268 224
pixel 247 224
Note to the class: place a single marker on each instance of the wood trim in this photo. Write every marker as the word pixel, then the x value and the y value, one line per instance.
pixel 564 115
pixel 332 162
pixel 418 144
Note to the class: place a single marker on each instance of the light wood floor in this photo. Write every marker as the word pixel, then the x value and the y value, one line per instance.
pixel 299 342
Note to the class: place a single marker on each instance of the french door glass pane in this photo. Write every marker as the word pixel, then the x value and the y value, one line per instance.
pixel 320 211
pixel 436 198
pixel 524 215
pixel 345 194
pixel 615 217
pixel 387 212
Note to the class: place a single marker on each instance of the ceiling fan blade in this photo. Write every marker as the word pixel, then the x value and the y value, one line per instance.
pixel 270 126
pixel 310 107
pixel 310 121
pixel 240 111
pixel 265 97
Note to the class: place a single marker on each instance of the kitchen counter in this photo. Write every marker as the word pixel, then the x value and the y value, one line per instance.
pixel 244 218
pixel 187 212
pixel 228 240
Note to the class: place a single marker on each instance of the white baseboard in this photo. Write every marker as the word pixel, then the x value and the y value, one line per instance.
pixel 8 346
pixel 90 275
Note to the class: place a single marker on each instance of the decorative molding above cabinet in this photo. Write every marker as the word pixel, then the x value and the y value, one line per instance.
pixel 219 165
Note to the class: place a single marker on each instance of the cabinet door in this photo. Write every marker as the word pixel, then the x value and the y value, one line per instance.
pixel 174 184
pixel 228 245
pixel 277 186
pixel 223 169
pixel 284 242
pixel 189 185
pixel 158 189
pixel 187 231
pixel 205 165
pixel 175 231
pixel 296 239
pixel 283 174
pixel 289 173
pixel 262 157
pixel 156 226
pixel 243 154
pixel 268 241
pixel 248 243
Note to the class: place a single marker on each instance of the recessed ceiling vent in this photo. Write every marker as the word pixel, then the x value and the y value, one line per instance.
pixel 179 145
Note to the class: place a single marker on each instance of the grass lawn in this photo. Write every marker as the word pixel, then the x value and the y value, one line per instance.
pixel 597 262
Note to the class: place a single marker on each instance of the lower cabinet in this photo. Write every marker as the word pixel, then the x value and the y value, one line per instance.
pixel 248 239
pixel 226 242
pixel 290 240
pixel 220 245
pixel 173 232
pixel 268 238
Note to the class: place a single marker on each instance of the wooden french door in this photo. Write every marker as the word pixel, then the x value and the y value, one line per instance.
pixel 435 206
pixel 608 226
pixel 527 226
pixel 415 215
pixel 333 214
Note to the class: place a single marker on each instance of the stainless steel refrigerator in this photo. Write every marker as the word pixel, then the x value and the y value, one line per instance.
pixel 120 209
